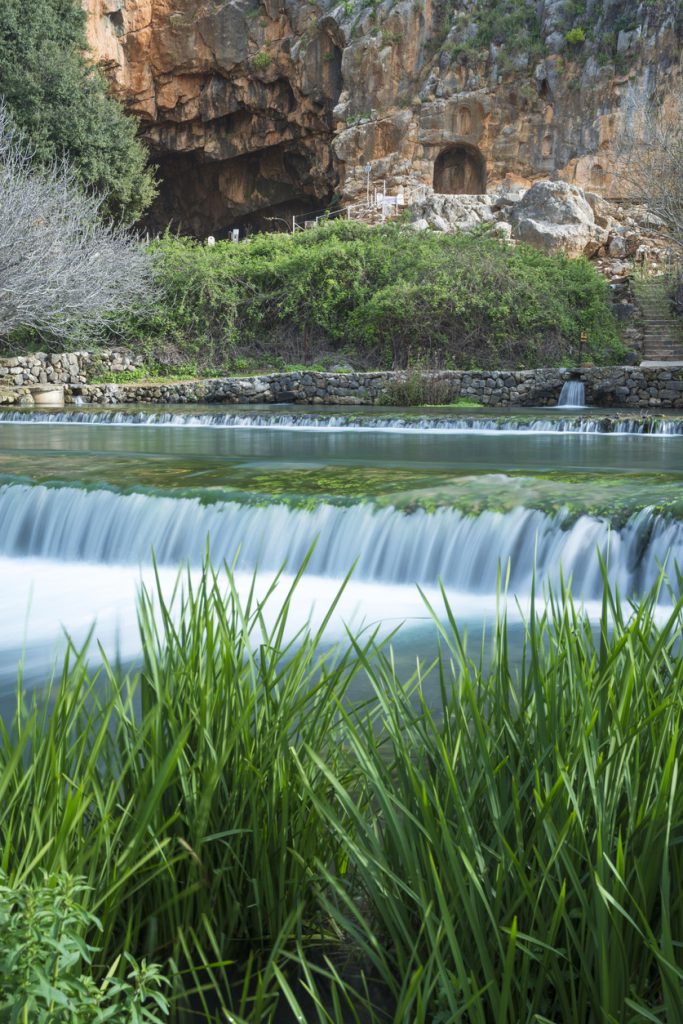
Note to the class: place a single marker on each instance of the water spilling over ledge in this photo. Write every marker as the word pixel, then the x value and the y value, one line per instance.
pixel 585 424
pixel 573 395
pixel 69 524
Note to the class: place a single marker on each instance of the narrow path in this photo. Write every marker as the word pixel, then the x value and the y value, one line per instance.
pixel 663 332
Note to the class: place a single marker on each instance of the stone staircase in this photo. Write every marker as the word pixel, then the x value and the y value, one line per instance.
pixel 663 332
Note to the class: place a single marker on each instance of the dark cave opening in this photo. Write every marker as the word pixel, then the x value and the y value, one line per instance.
pixel 260 191
pixel 460 170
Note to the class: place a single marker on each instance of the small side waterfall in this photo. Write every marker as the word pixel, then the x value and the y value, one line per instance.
pixel 573 394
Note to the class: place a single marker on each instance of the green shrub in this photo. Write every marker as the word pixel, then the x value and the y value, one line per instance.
pixel 416 388
pixel 386 297
pixel 47 974
pixel 575 36
pixel 261 60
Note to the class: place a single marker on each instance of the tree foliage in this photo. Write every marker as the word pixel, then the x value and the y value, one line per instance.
pixel 59 99
pixel 62 269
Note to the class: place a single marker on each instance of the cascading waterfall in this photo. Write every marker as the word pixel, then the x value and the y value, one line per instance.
pixel 573 394
pixel 605 424
pixel 105 527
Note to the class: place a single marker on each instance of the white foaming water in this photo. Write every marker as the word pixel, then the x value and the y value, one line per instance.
pixel 70 557
pixel 42 601
pixel 605 424
pixel 389 547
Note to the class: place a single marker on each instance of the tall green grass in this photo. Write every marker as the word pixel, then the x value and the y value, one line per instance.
pixel 515 857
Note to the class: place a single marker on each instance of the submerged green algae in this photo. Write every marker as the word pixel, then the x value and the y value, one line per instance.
pixel 603 495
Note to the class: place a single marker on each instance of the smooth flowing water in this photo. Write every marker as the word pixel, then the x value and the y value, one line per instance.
pixel 573 394
pixel 89 497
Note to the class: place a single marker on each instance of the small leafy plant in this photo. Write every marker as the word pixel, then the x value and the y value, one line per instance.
pixel 47 973
pixel 575 36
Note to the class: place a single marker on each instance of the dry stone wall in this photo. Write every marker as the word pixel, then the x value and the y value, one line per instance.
pixel 72 368
pixel 611 386
pixel 616 386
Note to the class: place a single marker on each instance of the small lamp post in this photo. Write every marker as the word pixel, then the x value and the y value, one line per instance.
pixel 367 171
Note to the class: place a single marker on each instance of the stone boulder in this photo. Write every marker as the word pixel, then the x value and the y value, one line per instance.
pixel 556 217
pixel 452 213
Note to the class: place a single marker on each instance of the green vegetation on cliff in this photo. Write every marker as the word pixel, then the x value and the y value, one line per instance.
pixel 60 102
pixel 381 297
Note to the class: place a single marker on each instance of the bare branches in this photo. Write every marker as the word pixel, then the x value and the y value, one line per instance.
pixel 650 160
pixel 61 268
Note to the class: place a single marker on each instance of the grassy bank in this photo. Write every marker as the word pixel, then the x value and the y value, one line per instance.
pixel 230 816
pixel 380 297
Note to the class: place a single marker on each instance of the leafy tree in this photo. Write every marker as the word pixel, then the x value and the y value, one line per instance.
pixel 59 99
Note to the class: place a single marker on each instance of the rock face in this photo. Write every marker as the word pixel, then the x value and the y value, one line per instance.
pixel 259 109
pixel 556 217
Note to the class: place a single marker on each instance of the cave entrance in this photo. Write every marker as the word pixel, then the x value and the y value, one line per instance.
pixel 460 171
pixel 258 191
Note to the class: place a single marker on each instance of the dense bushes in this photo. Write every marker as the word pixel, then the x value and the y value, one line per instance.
pixel 513 855
pixel 382 297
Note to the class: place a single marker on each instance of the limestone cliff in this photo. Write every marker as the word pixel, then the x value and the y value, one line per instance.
pixel 267 108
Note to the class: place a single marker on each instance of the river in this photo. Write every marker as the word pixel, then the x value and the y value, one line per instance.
pixel 404 497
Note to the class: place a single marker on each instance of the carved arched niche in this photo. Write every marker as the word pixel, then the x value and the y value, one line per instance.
pixel 460 170
pixel 463 121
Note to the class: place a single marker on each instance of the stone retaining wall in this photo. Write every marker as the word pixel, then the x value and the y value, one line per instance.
pixel 612 386
pixel 615 386
pixel 71 368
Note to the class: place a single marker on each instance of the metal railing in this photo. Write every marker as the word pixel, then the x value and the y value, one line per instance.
pixel 381 204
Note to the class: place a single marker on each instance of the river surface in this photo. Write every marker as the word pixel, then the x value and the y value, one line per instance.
pixel 405 498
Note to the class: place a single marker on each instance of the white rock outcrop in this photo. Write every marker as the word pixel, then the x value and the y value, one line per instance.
pixel 556 217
